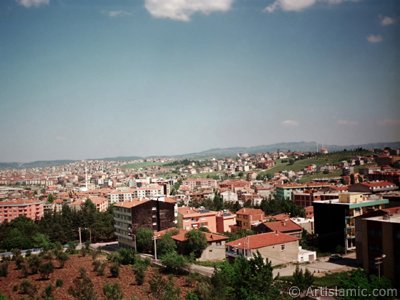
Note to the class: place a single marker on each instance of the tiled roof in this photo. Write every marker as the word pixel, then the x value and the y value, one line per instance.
pixel 249 211
pixel 377 183
pixel 211 237
pixel 262 240
pixel 283 226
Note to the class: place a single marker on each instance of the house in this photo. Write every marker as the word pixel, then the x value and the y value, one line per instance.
pixel 285 226
pixel 373 187
pixel 215 245
pixel 277 247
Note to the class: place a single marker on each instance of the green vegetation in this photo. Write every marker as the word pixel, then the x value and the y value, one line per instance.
pixel 272 207
pixel 112 292
pixel 144 240
pixel 166 244
pixel 163 289
pixel 302 280
pixel 174 263
pixel 319 160
pixel 82 288
pixel 139 270
pixel 23 233
pixel 143 164
pixel 195 243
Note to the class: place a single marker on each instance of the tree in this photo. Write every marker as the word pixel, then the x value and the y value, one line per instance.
pixel 4 269
pixel 144 240
pixel 303 280
pixel 127 256
pixel 174 263
pixel 165 244
pixel 46 269
pixel 244 279
pixel 195 243
pixel 218 202
pixel 82 288
pixel 112 291
pixel 50 198
pixel 139 270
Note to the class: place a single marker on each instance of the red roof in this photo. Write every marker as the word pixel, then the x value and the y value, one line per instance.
pixel 249 211
pixel 262 240
pixel 211 237
pixel 377 183
pixel 283 226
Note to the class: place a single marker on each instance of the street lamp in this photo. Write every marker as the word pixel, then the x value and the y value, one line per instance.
pixel 80 235
pixel 379 262
pixel 130 233
pixel 155 247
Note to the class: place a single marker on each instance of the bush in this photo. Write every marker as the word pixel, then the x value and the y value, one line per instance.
pixel 59 283
pixel 174 263
pixel 19 261
pixel 99 267
pixel 48 292
pixel 112 292
pixel 62 257
pixel 126 256
pixel 46 269
pixel 27 288
pixel 114 270
pixel 82 288
pixel 163 289
pixel 34 262
pixel 4 269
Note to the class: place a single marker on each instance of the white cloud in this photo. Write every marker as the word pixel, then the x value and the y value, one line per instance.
pixel 30 3
pixel 299 5
pixel 290 123
pixel 386 21
pixel 389 122
pixel 347 122
pixel 116 13
pixel 182 10
pixel 290 5
pixel 374 38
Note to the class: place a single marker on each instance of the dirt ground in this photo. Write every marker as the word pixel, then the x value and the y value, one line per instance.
pixel 126 280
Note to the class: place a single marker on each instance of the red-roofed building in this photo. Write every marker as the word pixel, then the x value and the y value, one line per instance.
pixel 192 218
pixel 12 209
pixel 277 247
pixel 373 187
pixel 285 226
pixel 215 243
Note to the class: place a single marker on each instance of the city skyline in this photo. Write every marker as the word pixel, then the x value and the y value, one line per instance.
pixel 82 79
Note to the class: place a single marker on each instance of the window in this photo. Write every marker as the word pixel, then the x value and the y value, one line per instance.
pixel 282 247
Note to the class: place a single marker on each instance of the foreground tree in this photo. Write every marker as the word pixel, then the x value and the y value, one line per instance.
pixel 174 263
pixel 144 240
pixel 195 243
pixel 82 288
pixel 112 292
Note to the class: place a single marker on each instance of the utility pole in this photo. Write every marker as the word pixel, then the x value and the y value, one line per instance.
pixel 379 262
pixel 155 247
pixel 80 237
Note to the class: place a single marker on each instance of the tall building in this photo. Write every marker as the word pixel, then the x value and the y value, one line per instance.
pixel 334 219
pixel 192 218
pixel 156 214
pixel 379 248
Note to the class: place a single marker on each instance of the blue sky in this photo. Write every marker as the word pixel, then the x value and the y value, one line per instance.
pixel 97 78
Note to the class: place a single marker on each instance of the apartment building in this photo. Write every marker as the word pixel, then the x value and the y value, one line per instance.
pixel 199 183
pixel 12 209
pixel 246 217
pixel 334 220
pixel 192 218
pixel 157 214
pixel 225 220
pixel 378 249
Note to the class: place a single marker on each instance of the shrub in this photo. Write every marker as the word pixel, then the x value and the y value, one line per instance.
pixel 46 269
pixel 163 289
pixel 82 288
pixel 19 261
pixel 114 270
pixel 27 288
pixel 126 256
pixel 4 269
pixel 174 263
pixel 112 292
pixel 59 283
pixel 99 267
pixel 48 292
pixel 34 262
pixel 62 257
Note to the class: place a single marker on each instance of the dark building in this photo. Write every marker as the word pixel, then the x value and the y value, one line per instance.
pixel 379 249
pixel 334 221
pixel 156 214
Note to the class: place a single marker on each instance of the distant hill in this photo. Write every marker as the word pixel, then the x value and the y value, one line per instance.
pixel 292 146
pixel 216 152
